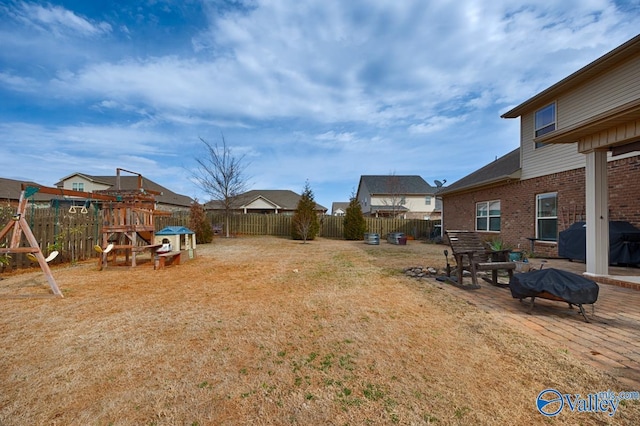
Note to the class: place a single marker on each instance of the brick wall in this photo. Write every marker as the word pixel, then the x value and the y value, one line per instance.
pixel 518 203
pixel 624 190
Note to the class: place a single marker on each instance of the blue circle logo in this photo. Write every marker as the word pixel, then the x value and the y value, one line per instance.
pixel 550 402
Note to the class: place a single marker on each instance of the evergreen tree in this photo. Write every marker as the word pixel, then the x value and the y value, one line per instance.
pixel 305 225
pixel 199 224
pixel 354 223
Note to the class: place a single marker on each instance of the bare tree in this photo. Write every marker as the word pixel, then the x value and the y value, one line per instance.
pixel 394 198
pixel 221 175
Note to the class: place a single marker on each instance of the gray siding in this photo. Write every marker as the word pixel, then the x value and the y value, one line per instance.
pixel 364 196
pixel 604 92
pixel 546 160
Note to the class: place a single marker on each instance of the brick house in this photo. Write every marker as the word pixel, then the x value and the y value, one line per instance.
pixel 578 159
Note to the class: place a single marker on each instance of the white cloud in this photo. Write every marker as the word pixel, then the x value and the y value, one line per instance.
pixel 108 104
pixel 435 124
pixel 58 20
pixel 323 89
pixel 342 137
pixel 18 83
pixel 343 62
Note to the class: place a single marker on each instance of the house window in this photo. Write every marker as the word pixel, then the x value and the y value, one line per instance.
pixel 427 200
pixel 488 216
pixel 403 201
pixel 545 121
pixel 78 186
pixel 547 216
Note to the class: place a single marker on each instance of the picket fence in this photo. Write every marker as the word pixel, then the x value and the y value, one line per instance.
pixel 74 235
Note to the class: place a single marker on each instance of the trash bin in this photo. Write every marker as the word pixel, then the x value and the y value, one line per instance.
pixel 372 238
pixel 402 241
pixel 394 237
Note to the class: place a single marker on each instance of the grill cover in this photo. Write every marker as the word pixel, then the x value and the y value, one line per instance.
pixel 568 286
pixel 624 243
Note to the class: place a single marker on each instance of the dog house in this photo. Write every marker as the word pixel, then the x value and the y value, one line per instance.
pixel 181 239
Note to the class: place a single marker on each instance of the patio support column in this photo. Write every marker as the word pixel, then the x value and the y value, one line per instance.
pixel 597 208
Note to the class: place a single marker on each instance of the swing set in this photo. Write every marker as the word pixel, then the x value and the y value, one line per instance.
pixel 127 223
pixel 19 225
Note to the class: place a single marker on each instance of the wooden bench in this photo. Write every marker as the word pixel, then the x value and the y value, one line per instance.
pixel 473 255
pixel 169 258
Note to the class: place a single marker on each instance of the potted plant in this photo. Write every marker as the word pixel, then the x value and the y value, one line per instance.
pixel 496 244
pixel 499 246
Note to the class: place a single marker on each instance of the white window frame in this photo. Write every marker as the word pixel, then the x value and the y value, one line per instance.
pixel 547 217
pixel 427 200
pixel 78 186
pixel 489 216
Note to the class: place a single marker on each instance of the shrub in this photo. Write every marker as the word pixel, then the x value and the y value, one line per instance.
pixel 305 225
pixel 198 223
pixel 354 223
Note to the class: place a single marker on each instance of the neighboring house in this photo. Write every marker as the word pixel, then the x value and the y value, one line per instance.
pixel 264 201
pixel 578 159
pixel 167 200
pixel 339 208
pixel 10 191
pixel 408 197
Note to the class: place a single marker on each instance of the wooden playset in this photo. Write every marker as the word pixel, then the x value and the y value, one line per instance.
pixel 127 224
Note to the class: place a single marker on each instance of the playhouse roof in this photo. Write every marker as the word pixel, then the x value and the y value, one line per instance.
pixel 175 230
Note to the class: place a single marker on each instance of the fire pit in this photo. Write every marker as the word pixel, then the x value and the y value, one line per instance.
pixel 555 284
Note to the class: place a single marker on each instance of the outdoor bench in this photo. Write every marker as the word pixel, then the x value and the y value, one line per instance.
pixel 172 257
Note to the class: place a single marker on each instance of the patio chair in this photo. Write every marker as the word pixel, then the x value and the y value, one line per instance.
pixel 473 255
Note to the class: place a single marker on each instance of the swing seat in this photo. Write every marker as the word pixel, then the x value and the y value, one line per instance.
pixel 106 250
pixel 49 258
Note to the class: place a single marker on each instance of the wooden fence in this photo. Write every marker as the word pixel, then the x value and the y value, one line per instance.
pixel 330 226
pixel 74 235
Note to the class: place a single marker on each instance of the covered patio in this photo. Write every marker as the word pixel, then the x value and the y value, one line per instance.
pixel 613 130
pixel 620 276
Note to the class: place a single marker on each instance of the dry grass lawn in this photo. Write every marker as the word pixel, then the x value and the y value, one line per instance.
pixel 272 331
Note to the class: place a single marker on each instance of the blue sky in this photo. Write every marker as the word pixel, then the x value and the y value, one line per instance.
pixel 317 90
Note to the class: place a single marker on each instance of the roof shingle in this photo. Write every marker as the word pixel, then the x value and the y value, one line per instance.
pixel 503 168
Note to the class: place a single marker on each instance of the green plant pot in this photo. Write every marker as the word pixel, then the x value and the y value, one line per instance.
pixel 515 256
